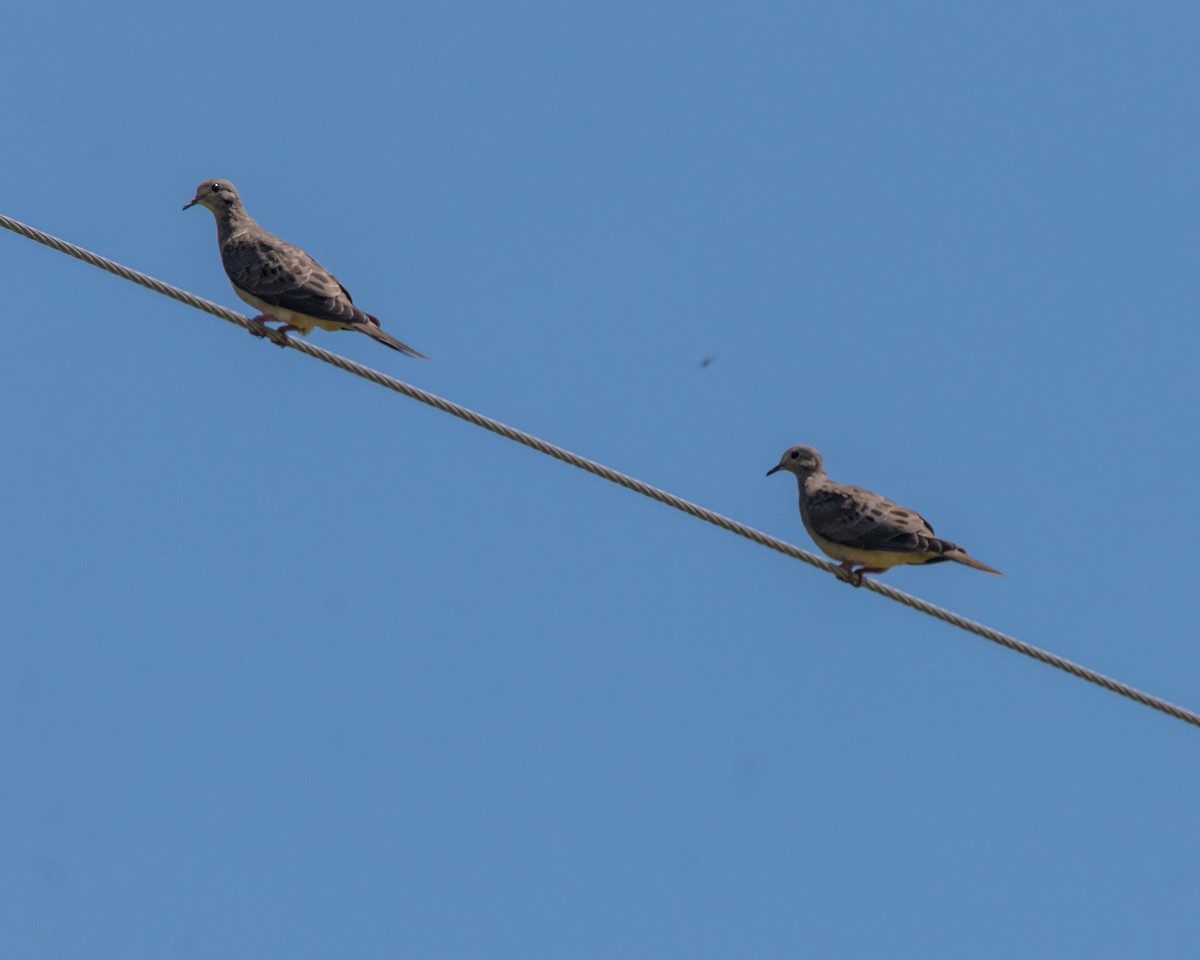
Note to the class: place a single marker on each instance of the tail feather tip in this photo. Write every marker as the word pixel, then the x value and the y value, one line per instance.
pixel 968 560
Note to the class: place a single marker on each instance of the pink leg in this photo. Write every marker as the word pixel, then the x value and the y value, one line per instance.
pixel 259 328
pixel 847 572
pixel 855 577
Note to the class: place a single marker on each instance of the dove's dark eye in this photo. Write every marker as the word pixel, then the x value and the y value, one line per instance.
pixel 216 187
pixel 795 454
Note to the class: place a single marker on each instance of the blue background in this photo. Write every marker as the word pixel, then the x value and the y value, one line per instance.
pixel 294 667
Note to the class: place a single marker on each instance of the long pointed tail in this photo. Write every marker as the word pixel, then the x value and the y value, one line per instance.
pixel 961 556
pixel 376 332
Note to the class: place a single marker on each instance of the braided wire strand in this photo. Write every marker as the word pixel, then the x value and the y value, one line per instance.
pixel 607 473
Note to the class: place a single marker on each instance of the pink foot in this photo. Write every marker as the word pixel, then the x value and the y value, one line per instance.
pixel 847 572
pixel 855 577
pixel 258 327
pixel 277 335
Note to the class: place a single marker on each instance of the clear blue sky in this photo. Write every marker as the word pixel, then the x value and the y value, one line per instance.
pixel 293 667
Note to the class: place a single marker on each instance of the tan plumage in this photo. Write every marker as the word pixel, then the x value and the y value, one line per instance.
pixel 861 529
pixel 281 280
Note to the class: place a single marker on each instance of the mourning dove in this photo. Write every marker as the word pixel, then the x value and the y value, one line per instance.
pixel 858 527
pixel 282 281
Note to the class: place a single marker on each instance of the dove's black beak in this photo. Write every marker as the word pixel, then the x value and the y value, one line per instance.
pixel 775 469
pixel 191 203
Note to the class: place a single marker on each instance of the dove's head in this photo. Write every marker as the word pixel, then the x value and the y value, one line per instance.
pixel 218 195
pixel 802 461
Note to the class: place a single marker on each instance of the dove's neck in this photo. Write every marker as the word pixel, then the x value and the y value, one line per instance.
pixel 813 482
pixel 232 221
pixel 808 486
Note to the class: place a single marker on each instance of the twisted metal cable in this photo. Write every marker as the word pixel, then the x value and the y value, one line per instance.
pixel 600 470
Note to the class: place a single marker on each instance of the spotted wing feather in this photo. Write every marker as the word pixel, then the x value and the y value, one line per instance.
pixel 858 518
pixel 285 276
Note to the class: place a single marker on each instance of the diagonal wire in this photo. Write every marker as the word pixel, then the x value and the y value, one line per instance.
pixel 600 470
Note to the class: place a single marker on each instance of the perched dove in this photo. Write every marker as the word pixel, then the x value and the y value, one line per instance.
pixel 282 281
pixel 856 526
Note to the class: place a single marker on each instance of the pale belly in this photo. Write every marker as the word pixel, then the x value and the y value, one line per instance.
pixel 300 321
pixel 876 559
